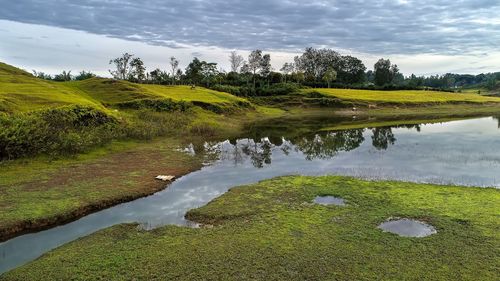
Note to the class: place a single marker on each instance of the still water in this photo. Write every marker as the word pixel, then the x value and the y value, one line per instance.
pixel 462 152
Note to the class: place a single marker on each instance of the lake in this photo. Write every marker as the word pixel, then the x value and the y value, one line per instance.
pixel 463 152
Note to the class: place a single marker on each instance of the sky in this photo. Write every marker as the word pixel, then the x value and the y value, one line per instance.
pixel 422 37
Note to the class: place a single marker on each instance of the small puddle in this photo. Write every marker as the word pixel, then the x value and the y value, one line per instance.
pixel 408 228
pixel 329 200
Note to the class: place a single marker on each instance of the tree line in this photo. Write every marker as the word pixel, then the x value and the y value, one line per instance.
pixel 255 75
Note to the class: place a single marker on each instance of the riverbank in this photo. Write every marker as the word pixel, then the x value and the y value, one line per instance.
pixel 272 230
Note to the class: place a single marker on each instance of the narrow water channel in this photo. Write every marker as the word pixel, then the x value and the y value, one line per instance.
pixel 462 152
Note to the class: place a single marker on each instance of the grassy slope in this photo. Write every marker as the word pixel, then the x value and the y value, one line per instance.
pixel 20 92
pixel 271 231
pixel 403 97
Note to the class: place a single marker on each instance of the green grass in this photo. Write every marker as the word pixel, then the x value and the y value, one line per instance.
pixel 403 97
pixel 272 231
pixel 20 92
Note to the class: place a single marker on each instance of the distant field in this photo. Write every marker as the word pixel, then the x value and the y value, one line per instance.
pixel 403 96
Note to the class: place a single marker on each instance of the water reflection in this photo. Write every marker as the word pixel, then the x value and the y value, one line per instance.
pixel 320 145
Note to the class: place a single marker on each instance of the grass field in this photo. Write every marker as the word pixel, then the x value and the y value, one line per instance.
pixel 403 97
pixel 273 231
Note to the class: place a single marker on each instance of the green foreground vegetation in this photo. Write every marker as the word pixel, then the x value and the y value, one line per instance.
pixel 272 231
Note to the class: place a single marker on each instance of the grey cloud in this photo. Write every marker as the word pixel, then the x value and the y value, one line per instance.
pixel 389 26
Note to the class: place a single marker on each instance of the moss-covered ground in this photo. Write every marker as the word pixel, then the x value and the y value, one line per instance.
pixel 273 231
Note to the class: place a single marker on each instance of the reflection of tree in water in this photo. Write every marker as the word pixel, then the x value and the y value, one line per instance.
pixel 259 152
pixel 327 145
pixel 382 137
pixel 498 120
pixel 323 145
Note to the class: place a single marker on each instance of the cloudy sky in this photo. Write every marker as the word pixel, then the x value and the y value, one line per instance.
pixel 422 37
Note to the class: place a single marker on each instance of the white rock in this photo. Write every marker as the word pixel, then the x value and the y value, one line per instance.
pixel 165 178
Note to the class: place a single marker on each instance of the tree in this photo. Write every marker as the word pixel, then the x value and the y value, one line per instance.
pixel 236 61
pixel 287 69
pixel 315 62
pixel 64 76
pixel 42 75
pixel 122 69
pixel 174 64
pixel 138 70
pixel 330 75
pixel 83 75
pixel 265 66
pixel 351 70
pixel 383 74
pixel 158 76
pixel 201 71
pixel 254 63
pixel 209 72
pixel 193 71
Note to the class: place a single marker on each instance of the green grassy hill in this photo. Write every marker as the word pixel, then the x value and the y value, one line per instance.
pixel 21 92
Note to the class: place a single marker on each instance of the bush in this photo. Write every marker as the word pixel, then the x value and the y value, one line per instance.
pixel 63 130
pixel 147 124
pixel 159 105
pixel 278 89
pixel 240 91
pixel 204 130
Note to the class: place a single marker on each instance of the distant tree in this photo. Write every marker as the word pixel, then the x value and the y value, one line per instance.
pixel 209 72
pixel 265 66
pixel 193 71
pixel 246 72
pixel 42 75
pixel 351 70
pixel 83 75
pixel 383 72
pixel 287 69
pixel 174 64
pixel 137 70
pixel 330 75
pixel 254 63
pixel 178 74
pixel 63 76
pixel 315 62
pixel 122 69
pixel 158 76
pixel 236 61
pixel 201 72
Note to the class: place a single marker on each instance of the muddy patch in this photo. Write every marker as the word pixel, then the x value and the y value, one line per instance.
pixel 408 228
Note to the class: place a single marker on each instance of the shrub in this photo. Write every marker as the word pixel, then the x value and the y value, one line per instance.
pixel 278 89
pixel 147 124
pixel 204 129
pixel 160 105
pixel 62 130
